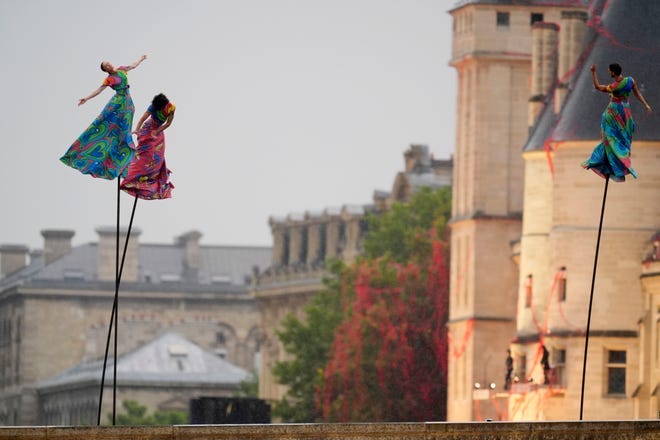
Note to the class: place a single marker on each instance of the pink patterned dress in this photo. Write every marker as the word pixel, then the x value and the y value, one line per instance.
pixel 148 175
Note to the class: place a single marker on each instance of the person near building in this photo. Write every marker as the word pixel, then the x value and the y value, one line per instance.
pixel 105 149
pixel 611 157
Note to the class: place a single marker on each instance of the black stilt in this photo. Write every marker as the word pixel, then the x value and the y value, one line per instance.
pixel 116 308
pixel 114 314
pixel 591 297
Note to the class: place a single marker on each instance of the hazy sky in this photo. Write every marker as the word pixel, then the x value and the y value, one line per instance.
pixel 282 106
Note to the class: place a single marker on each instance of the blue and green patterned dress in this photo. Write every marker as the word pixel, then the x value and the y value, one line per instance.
pixel 105 149
pixel 611 157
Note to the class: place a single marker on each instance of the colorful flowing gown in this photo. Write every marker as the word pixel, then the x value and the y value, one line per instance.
pixel 106 148
pixel 611 157
pixel 148 175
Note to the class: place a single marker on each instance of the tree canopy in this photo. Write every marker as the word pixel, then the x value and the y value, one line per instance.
pixel 135 414
pixel 373 345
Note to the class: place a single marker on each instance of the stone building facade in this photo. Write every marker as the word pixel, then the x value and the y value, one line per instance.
pixel 55 306
pixel 526 215
pixel 302 243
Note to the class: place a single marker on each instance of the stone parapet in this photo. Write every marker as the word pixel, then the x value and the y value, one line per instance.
pixel 617 430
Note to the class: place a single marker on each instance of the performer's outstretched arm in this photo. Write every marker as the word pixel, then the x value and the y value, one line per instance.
pixel 91 95
pixel 165 125
pixel 136 63
pixel 639 96
pixel 597 85
pixel 140 122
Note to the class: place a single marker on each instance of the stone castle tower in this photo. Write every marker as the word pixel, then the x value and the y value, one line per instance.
pixel 526 214
pixel 492 52
pixel 560 224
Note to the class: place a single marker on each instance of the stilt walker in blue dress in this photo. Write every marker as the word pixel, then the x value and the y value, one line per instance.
pixel 610 160
pixel 611 157
pixel 105 149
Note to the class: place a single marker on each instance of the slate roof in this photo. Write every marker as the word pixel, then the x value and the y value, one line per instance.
pixel 461 3
pixel 628 35
pixel 169 359
pixel 227 267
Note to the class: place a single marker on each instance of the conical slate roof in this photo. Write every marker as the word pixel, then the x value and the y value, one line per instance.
pixel 621 32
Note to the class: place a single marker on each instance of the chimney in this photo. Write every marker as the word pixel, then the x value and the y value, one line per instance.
pixel 571 41
pixel 280 241
pixel 297 239
pixel 352 217
pixel 57 242
pixel 13 257
pixel 544 66
pixel 417 158
pixel 333 232
pixel 315 239
pixel 108 253
pixel 192 262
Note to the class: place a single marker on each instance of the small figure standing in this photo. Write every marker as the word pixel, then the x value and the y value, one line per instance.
pixel 545 363
pixel 148 175
pixel 509 370
pixel 105 149
pixel 611 157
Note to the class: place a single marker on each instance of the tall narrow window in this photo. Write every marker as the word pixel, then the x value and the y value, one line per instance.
pixel 528 290
pixel 616 372
pixel 502 19
pixel 520 371
pixel 557 378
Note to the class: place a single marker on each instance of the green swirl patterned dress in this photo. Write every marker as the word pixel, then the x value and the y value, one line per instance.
pixel 105 149
pixel 611 157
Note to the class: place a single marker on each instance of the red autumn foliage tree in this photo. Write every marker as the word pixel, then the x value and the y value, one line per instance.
pixel 388 360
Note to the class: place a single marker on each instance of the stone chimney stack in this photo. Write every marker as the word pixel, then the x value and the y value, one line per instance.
pixel 545 40
pixel 352 217
pixel 57 242
pixel 13 257
pixel 571 43
pixel 315 239
pixel 297 240
pixel 417 156
pixel 280 242
pixel 193 258
pixel 107 253
pixel 334 232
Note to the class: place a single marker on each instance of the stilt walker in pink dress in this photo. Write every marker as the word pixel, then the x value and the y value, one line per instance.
pixel 148 176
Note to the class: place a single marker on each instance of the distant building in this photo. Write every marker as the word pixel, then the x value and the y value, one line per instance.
pixel 55 306
pixel 302 243
pixel 165 373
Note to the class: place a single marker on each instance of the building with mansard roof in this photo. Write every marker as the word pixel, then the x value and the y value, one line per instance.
pixel 303 242
pixel 526 214
pixel 55 306
pixel 169 362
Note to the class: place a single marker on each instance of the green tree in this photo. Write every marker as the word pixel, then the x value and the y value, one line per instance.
pixel 399 235
pixel 136 414
pixel 249 387
pixel 401 232
pixel 308 343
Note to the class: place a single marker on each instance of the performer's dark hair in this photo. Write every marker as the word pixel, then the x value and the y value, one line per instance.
pixel 159 102
pixel 616 68
pixel 103 68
